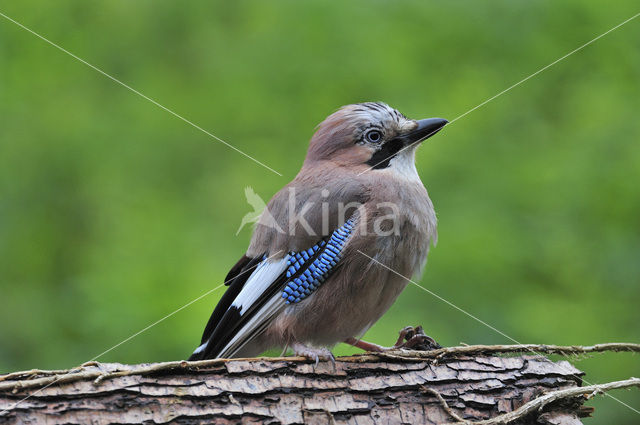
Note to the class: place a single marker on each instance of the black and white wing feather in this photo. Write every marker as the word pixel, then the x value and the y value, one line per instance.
pixel 261 288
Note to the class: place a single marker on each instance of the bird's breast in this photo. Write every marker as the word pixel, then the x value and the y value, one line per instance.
pixel 409 212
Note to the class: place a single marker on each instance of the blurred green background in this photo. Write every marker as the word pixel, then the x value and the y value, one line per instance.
pixel 114 213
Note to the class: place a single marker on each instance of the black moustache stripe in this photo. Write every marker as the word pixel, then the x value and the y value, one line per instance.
pixel 385 154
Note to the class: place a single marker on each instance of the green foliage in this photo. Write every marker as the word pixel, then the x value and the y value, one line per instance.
pixel 113 213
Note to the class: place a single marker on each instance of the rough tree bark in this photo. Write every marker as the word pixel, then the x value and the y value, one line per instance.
pixel 445 386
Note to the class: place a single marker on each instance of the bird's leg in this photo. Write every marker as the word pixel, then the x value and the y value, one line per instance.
pixel 313 353
pixel 410 338
pixel 364 345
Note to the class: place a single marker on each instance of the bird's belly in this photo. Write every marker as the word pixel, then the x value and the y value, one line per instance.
pixel 354 297
pixel 328 322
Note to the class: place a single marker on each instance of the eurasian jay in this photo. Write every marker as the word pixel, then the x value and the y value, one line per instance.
pixel 308 281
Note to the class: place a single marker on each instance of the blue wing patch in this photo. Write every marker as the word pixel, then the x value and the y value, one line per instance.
pixel 308 269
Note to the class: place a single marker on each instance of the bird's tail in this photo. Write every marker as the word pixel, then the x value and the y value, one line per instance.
pixel 194 357
pixel 198 353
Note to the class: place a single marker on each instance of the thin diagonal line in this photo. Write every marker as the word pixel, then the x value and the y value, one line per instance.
pixel 483 322
pixel 546 67
pixel 133 336
pixel 156 322
pixel 511 87
pixel 442 299
pixel 139 94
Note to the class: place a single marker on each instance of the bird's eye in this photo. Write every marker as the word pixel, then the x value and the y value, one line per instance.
pixel 373 136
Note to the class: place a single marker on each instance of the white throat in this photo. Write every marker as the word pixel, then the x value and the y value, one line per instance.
pixel 404 165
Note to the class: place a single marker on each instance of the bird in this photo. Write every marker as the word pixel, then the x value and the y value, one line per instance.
pixel 342 240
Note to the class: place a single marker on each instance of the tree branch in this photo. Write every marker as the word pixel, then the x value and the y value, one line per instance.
pixel 540 402
pixel 563 350
pixel 79 373
pixel 466 384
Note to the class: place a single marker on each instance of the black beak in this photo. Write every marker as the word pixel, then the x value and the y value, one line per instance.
pixel 426 128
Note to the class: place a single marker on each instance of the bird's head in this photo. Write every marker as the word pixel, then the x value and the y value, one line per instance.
pixel 370 136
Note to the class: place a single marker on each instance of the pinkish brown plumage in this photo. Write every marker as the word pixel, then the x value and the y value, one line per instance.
pixel 360 168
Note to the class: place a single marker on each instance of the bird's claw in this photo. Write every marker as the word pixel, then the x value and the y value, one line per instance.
pixel 315 354
pixel 414 338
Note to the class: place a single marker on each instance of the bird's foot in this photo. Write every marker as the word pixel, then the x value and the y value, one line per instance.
pixel 311 353
pixel 410 338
